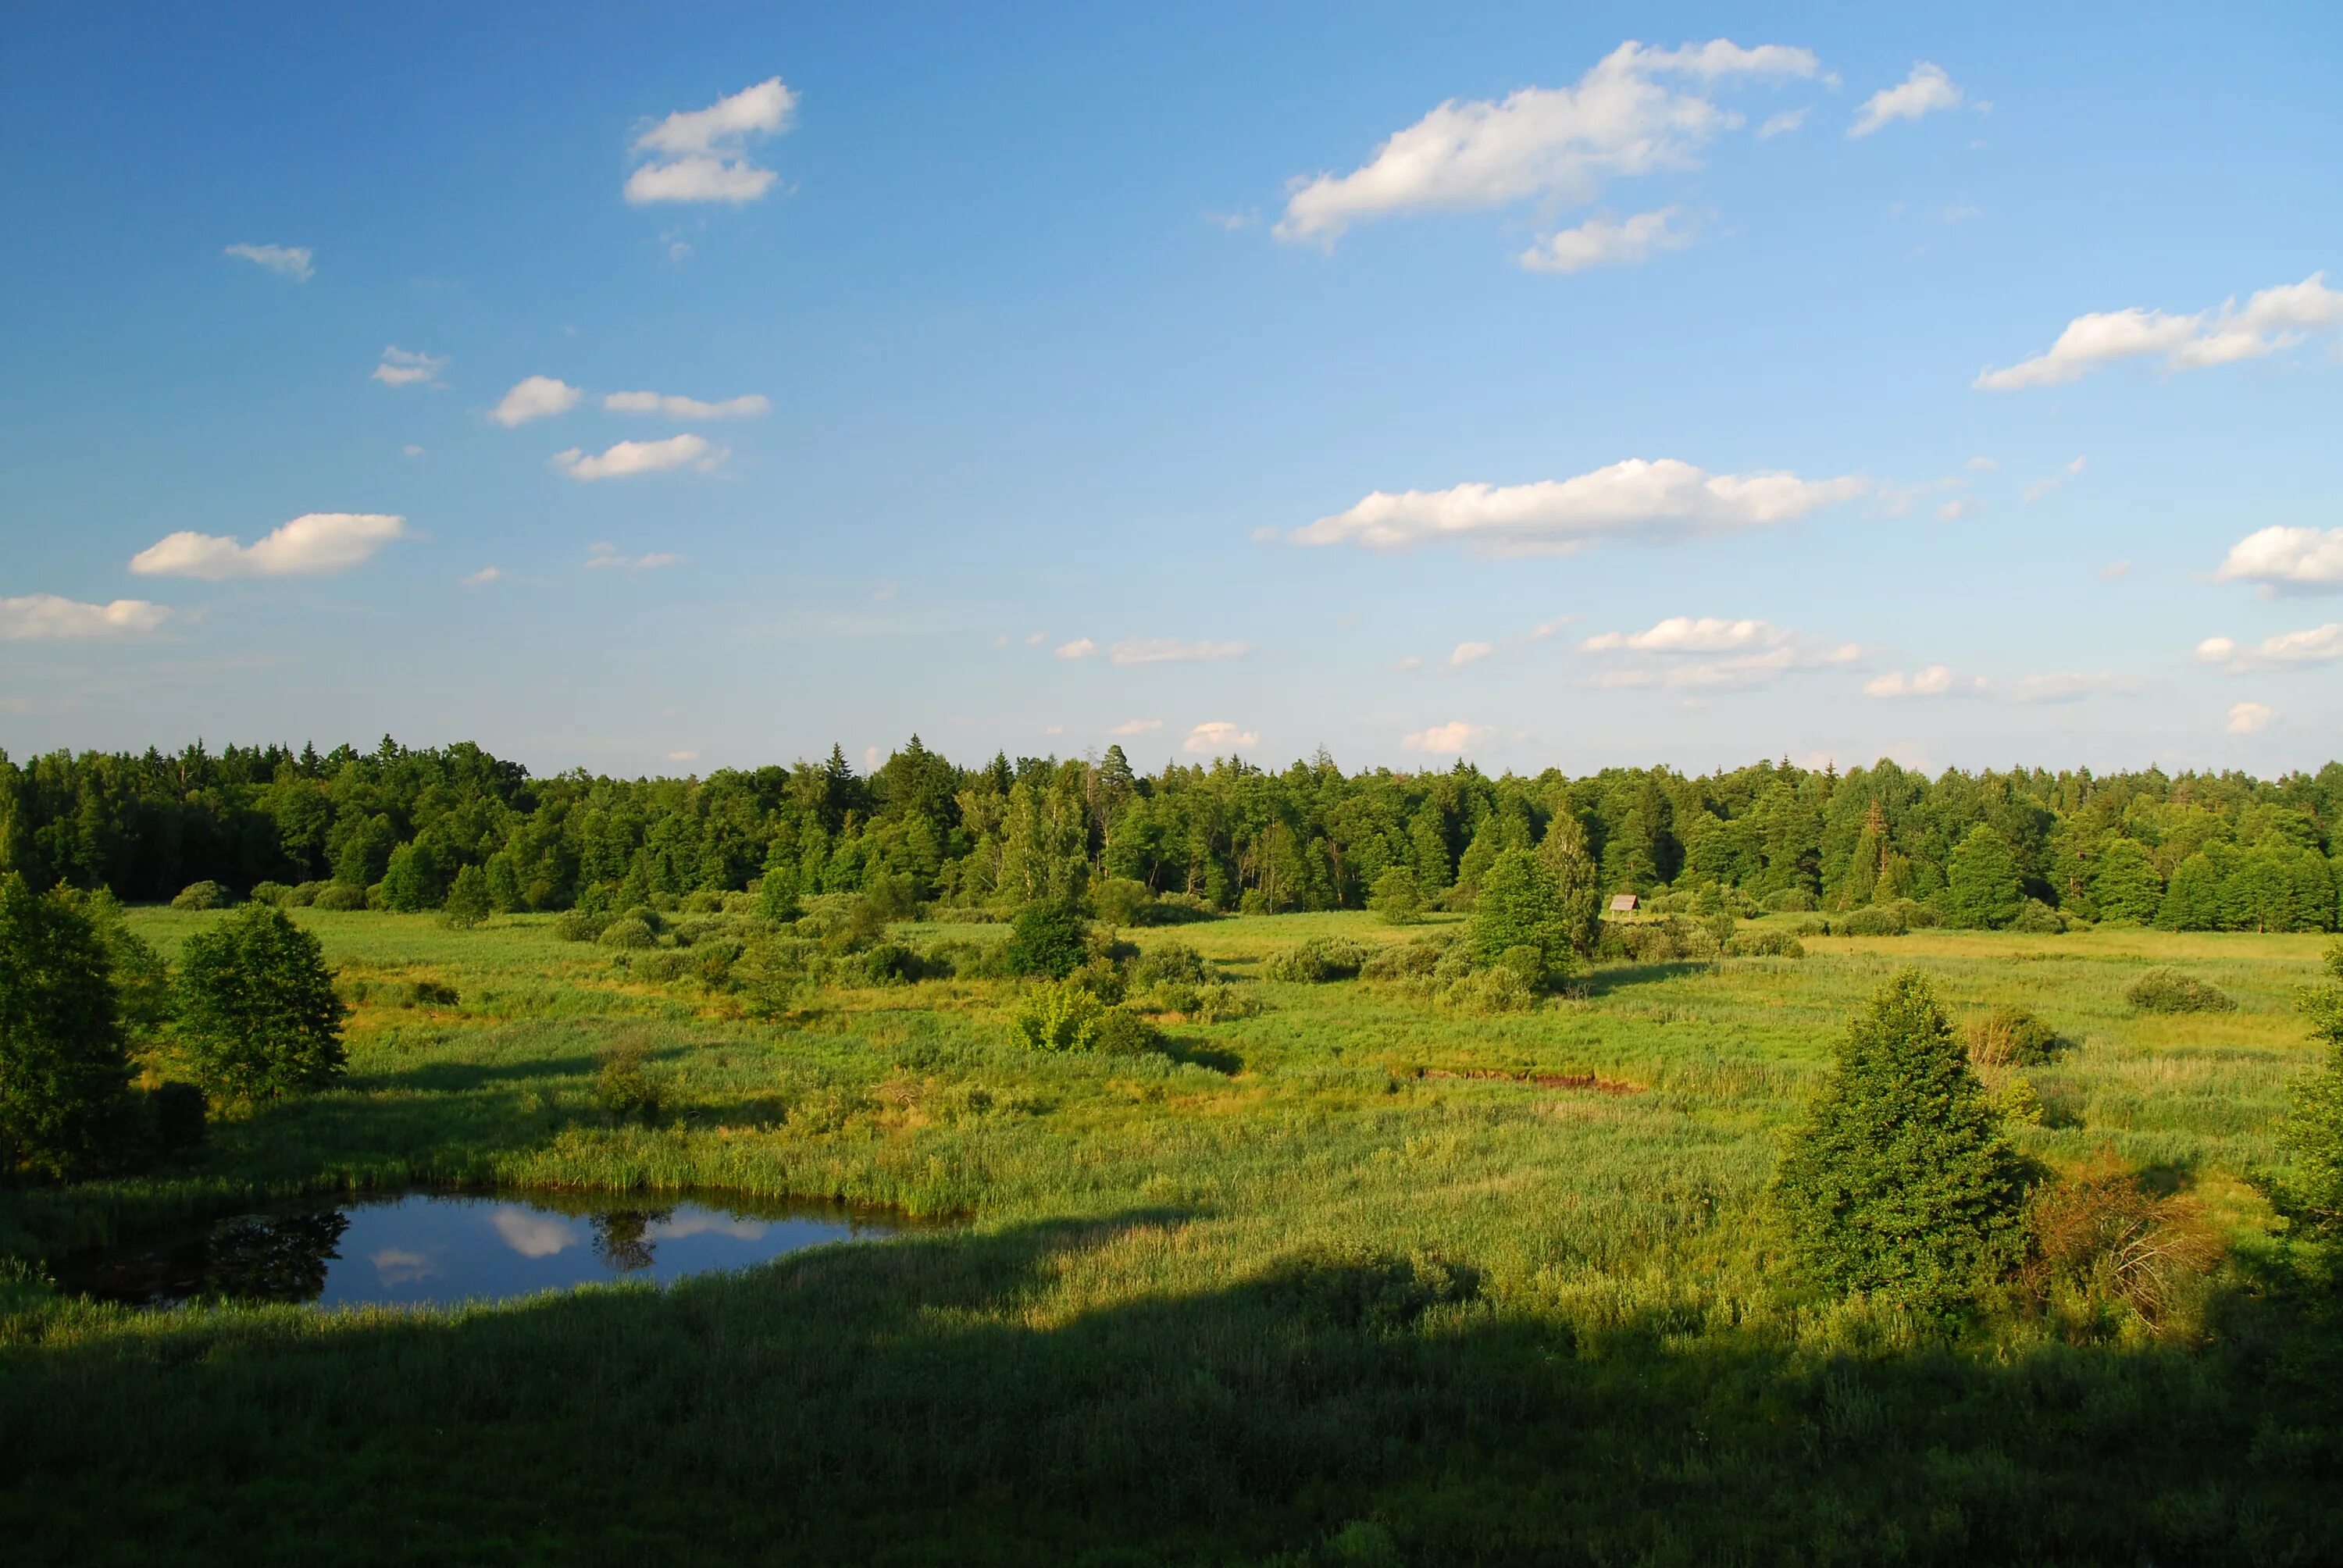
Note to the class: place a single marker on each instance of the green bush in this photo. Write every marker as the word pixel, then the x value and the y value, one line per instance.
pixel 661 965
pixel 1404 961
pixel 1220 1001
pixel 578 926
pixel 1171 963
pixel 1058 1015
pixel 626 1086
pixel 1049 938
pixel 340 896
pixel 1793 901
pixel 1122 1033
pixel 1317 961
pixel 1520 904
pixel 270 893
pixel 1123 901
pixel 1501 988
pixel 2170 991
pixel 2011 1036
pixel 467 903
pixel 64 1068
pixel 1765 943
pixel 302 895
pixel 1873 920
pixel 1901 1182
pixel 1397 896
pixel 627 932
pixel 2037 919
pixel 203 896
pixel 257 1013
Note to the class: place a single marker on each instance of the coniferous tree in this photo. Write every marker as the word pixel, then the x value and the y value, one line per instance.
pixel 467 904
pixel 1901 1182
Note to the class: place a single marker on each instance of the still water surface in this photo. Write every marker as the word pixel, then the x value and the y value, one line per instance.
pixel 413 1248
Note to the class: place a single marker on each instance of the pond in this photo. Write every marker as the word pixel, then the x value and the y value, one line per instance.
pixel 414 1248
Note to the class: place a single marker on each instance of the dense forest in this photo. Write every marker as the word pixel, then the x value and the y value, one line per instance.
pixel 392 826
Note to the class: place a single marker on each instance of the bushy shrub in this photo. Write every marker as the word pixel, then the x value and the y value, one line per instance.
pixel 2099 1241
pixel 1792 901
pixel 1183 908
pixel 1404 961
pixel 892 963
pixel 627 1086
pixel 1123 901
pixel 402 993
pixel 1049 938
pixel 2037 919
pixel 1220 1001
pixel 1916 916
pixel 1901 1182
pixel 1171 963
pixel 1058 1015
pixel 1103 976
pixel 704 901
pixel 660 965
pixel 1317 961
pixel 1123 1032
pixel 302 895
pixel 1875 920
pixel 270 893
pixel 340 896
pixel 1764 943
pixel 203 896
pixel 712 960
pixel 1501 988
pixel 627 932
pixel 578 926
pixel 467 903
pixel 2170 991
pixel 2010 1037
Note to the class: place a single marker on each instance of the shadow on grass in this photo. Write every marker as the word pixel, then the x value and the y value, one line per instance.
pixel 1199 1053
pixel 1617 976
pixel 463 1078
pixel 939 1399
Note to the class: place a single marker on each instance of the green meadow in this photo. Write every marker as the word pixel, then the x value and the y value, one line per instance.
pixel 1351 1280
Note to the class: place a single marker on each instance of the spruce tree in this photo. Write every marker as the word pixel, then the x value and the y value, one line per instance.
pixel 1901 1183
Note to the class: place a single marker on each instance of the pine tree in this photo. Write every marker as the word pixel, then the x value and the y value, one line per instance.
pixel 1901 1182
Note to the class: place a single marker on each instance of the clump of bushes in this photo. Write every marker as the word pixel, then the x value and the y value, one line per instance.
pixel 203 896
pixel 1058 1016
pixel 268 893
pixel 1793 901
pixel 579 926
pixel 2170 991
pixel 1173 964
pixel 2100 1244
pixel 1317 961
pixel 2037 919
pixel 1405 961
pixel 626 1086
pixel 1764 944
pixel 402 993
pixel 1397 896
pixel 662 965
pixel 1501 988
pixel 2010 1037
pixel 627 932
pixel 340 896
pixel 1875 920
pixel 1048 939
pixel 258 1016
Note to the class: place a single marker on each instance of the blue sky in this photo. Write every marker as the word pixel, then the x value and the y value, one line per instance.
pixel 1203 378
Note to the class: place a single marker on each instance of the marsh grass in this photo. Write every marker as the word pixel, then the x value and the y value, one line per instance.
pixel 1341 1261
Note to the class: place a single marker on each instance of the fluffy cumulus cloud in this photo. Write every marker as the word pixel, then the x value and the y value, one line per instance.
pixel 534 397
pixel 1939 680
pixel 1135 726
pixel 1466 653
pixel 291 261
pixel 701 155
pixel 48 618
pixel 1639 111
pixel 2251 717
pixel 2287 650
pixel 1635 499
pixel 2286 560
pixel 405 367
pixel 1925 92
pixel 605 556
pixel 482 577
pixel 1604 241
pixel 630 458
pixel 2272 320
pixel 674 407
pixel 1081 648
pixel 1171 650
pixel 1215 736
pixel 310 545
pixel 1689 653
pixel 1451 738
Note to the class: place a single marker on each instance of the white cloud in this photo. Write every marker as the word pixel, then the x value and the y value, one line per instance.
pixel 285 260
pixel 683 756
pixel 1556 144
pixel 1603 241
pixel 2114 570
pixel 628 458
pixel 2286 560
pixel 534 397
pixel 700 155
pixel 1081 648
pixel 315 542
pixel 1636 498
pixel 404 367
pixel 482 577
pixel 1959 506
pixel 1450 738
pixel 1779 124
pixel 48 618
pixel 1037 639
pixel 2041 487
pixel 1470 653
pixel 2251 717
pixel 1981 465
pixel 2287 650
pixel 1170 651
pixel 1136 726
pixel 2272 319
pixel 1547 629
pixel 411 451
pixel 603 555
pixel 1208 737
pixel 1682 634
pixel 674 407
pixel 1939 680
pixel 1927 90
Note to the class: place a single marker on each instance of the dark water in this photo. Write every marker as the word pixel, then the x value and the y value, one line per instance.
pixel 439 1247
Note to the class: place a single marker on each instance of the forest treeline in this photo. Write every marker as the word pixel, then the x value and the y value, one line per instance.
pixel 395 826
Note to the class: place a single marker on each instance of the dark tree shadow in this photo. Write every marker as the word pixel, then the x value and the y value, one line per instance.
pixel 1617 976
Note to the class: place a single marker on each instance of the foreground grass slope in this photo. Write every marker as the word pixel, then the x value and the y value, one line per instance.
pixel 1338 1283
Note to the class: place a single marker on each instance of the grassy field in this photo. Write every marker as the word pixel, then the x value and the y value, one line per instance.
pixel 1337 1283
